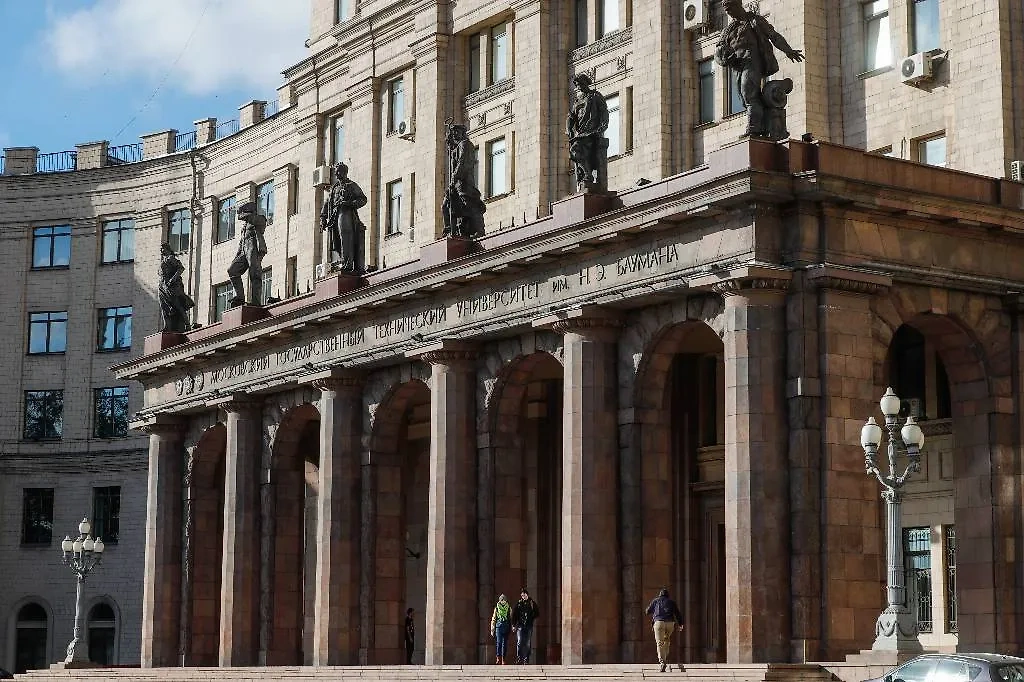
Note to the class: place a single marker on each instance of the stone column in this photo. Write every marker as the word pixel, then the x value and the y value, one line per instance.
pixel 591 567
pixel 239 597
pixel 161 591
pixel 451 617
pixel 756 471
pixel 338 552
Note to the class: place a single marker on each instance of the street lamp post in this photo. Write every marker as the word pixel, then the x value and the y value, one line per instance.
pixel 81 556
pixel 896 627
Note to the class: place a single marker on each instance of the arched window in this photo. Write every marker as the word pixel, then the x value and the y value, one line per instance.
pixel 30 640
pixel 102 634
pixel 918 376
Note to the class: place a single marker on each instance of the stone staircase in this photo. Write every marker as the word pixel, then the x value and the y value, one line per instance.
pixel 475 673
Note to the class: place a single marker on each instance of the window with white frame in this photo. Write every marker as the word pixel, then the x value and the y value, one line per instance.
pixel 179 229
pixel 267 286
pixel 396 104
pixel 924 25
pixel 344 10
pixel 932 150
pixel 265 200
pixel 608 17
pixel 499 53
pixel 394 215
pixel 222 295
pixel 497 168
pixel 877 41
pixel 225 220
pixel 614 132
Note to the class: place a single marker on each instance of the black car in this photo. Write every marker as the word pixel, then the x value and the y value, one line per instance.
pixel 957 668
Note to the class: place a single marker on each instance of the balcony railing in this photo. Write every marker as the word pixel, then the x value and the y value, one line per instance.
pixel 227 128
pixel 125 153
pixel 56 162
pixel 271 108
pixel 185 141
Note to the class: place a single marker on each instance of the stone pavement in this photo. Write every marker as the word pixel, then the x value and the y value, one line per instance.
pixel 451 673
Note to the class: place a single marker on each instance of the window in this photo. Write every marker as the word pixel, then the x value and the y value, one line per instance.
pixel 337 139
pixel 914 671
pixel 268 284
pixel 47 332
pixel 291 276
pixel 179 229
pixel 951 600
pixel 706 90
pixel 30 650
pixel 932 151
pixel 917 557
pixel 222 295
pixel 115 328
pixel 111 412
pixel 102 634
pixel 225 220
pixel 119 241
pixel 877 42
pixel 925 25
pixel 394 223
pixel 581 23
pixel 106 513
pixel 608 20
pixel 474 62
pixel 37 516
pixel 499 52
pixel 44 414
pixel 614 132
pixel 496 168
pixel 735 102
pixel 51 247
pixel 344 9
pixel 265 200
pixel 396 104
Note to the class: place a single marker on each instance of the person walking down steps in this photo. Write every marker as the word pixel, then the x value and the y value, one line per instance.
pixel 666 617
pixel 501 621
pixel 523 617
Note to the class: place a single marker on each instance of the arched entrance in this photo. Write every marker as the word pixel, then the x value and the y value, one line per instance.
pixel 102 634
pixel 204 496
pixel 31 638
pixel 289 529
pixel 400 457
pixel 526 427
pixel 680 401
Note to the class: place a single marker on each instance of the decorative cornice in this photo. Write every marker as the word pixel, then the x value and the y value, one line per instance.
pixel 609 42
pixel 490 92
pixel 164 425
pixel 446 352
pixel 740 285
pixel 336 380
pixel 237 402
pixel 852 280
pixel 586 321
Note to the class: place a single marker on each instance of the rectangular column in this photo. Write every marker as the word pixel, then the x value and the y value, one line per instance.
pixel 451 617
pixel 161 591
pixel 239 597
pixel 336 610
pixel 756 472
pixel 591 570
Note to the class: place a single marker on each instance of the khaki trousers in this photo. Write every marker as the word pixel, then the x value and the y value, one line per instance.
pixel 663 630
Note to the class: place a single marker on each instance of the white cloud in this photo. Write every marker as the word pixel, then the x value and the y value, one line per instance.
pixel 234 43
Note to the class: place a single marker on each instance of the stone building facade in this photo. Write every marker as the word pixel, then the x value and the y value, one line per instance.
pixel 604 396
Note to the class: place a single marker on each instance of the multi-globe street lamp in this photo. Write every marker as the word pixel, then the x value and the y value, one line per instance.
pixel 81 556
pixel 896 627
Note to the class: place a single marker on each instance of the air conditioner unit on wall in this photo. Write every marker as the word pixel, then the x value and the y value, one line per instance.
pixel 405 128
pixel 695 14
pixel 1017 171
pixel 321 176
pixel 916 68
pixel 320 271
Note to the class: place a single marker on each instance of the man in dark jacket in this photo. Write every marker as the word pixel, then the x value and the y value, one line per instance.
pixel 523 616
pixel 665 614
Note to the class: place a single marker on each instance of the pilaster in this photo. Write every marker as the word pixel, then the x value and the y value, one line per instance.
pixel 451 637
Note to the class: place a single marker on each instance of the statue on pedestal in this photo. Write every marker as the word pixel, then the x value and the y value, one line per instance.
pixel 462 208
pixel 585 126
pixel 748 48
pixel 175 304
pixel 339 217
pixel 249 257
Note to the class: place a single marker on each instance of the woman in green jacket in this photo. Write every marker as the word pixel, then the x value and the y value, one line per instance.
pixel 500 621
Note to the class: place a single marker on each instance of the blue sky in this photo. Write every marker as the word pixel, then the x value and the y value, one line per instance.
pixel 82 70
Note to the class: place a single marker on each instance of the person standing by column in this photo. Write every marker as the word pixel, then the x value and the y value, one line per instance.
pixel 501 620
pixel 410 635
pixel 665 614
pixel 523 617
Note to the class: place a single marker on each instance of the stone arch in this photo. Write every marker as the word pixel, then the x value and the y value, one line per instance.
pixel 43 645
pixel 397 460
pixel 288 511
pixel 103 630
pixel 204 542
pixel 970 333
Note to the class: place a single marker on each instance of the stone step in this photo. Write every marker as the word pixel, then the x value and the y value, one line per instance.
pixel 475 673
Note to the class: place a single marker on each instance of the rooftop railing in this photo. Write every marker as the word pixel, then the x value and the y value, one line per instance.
pixel 2 165
pixel 227 128
pixel 56 162
pixel 125 153
pixel 271 108
pixel 185 141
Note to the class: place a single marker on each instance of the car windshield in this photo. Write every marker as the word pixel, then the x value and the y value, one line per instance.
pixel 1011 673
